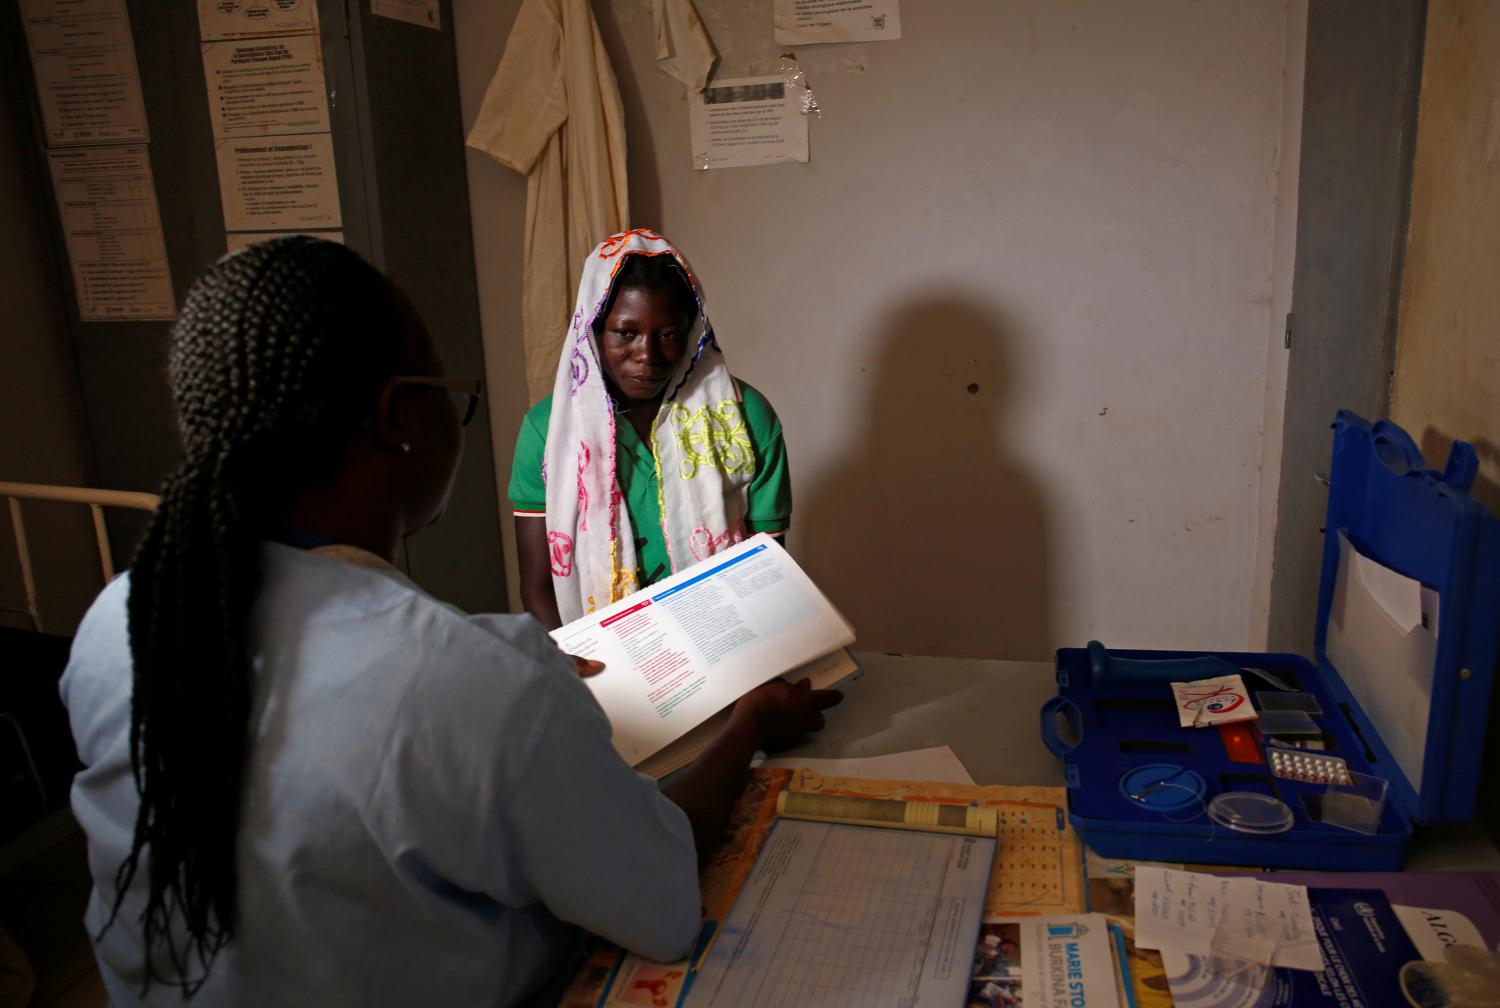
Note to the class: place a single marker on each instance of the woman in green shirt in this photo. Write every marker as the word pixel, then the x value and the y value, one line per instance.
pixel 604 507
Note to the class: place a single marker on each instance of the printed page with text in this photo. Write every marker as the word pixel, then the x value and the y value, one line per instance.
pixel 683 649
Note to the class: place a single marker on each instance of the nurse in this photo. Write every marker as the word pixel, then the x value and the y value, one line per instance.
pixel 308 782
pixel 648 456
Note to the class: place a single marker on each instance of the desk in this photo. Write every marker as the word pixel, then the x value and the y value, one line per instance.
pixel 988 713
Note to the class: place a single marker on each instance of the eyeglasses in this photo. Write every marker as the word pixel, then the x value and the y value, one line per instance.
pixel 466 392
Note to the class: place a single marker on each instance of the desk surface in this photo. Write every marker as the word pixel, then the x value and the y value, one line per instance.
pixel 988 713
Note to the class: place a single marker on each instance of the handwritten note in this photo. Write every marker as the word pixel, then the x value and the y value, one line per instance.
pixel 1206 915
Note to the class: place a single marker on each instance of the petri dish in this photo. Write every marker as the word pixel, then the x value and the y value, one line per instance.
pixel 1249 812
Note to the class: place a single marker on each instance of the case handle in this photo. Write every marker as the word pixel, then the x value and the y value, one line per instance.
pixel 1107 670
pixel 1400 454
pixel 1395 449
pixel 1051 737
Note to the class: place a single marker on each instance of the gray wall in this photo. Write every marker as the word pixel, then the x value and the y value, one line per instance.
pixel 1358 125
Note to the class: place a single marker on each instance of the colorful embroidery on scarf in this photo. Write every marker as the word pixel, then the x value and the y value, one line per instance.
pixel 622 582
pixel 561 546
pixel 615 243
pixel 580 369
pixel 606 558
pixel 713 436
pixel 705 544
pixel 583 491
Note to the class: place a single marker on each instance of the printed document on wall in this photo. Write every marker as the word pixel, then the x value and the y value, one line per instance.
pixel 803 22
pixel 279 183
pixel 263 87
pixel 747 121
pixel 231 19
pixel 112 227
pixel 86 76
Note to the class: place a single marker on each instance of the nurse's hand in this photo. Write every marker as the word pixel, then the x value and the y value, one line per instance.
pixel 785 713
pixel 587 666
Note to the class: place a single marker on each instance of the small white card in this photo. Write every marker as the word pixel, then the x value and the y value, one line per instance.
pixel 1220 700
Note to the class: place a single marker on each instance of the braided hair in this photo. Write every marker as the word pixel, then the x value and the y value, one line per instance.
pixel 278 356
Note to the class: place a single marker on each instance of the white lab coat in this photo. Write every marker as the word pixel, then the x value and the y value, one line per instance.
pixel 431 802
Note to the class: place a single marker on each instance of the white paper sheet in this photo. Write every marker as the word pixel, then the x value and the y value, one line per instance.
pixel 1382 638
pixel 747 121
pixel 935 764
pixel 112 228
pixel 885 917
pixel 279 183
pixel 87 81
pixel 802 22
pixel 1181 911
pixel 427 13
pixel 264 87
pixel 231 19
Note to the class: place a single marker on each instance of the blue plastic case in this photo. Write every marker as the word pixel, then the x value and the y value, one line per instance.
pixel 1394 510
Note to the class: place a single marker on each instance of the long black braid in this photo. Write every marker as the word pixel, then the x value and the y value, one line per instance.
pixel 278 356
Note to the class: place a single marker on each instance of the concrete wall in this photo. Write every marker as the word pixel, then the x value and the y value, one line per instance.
pixel 1359 113
pixel 1078 210
pixel 1448 346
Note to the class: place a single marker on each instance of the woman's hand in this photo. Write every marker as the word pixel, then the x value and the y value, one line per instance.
pixel 772 716
pixel 783 713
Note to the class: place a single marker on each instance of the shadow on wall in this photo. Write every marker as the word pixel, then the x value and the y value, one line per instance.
pixel 929 536
pixel 1435 445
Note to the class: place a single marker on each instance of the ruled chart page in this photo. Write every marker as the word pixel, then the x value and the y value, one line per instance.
pixel 837 916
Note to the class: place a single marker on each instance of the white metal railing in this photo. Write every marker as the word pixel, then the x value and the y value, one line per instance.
pixel 97 501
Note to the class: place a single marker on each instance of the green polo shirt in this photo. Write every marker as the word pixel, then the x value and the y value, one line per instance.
pixel 769 505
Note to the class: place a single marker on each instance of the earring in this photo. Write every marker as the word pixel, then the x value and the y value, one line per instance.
pixel 405 448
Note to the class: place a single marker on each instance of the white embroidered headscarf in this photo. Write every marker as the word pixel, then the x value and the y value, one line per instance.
pixel 704 460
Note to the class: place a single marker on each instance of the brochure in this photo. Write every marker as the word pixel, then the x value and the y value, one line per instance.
pixel 682 650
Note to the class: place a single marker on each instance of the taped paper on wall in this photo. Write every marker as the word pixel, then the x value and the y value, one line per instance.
pixel 803 22
pixel 112 228
pixel 87 80
pixel 747 121
pixel 218 19
pixel 261 87
pixel 279 183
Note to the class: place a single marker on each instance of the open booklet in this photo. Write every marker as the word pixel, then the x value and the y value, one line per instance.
pixel 678 653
